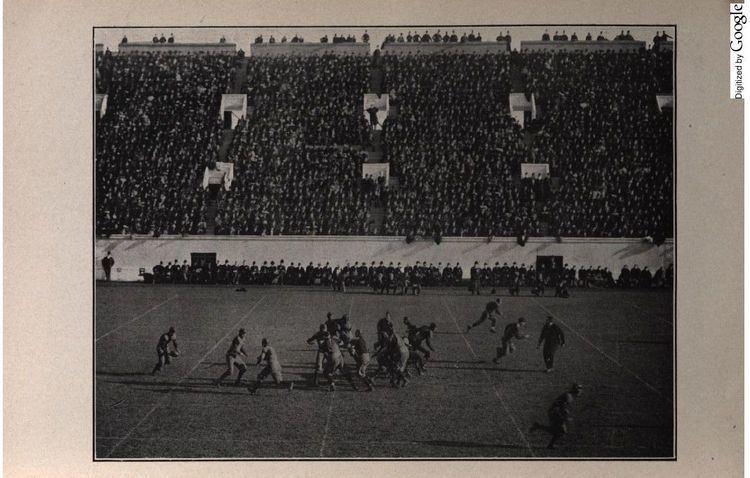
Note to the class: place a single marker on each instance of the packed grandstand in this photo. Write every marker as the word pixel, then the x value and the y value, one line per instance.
pixel 452 144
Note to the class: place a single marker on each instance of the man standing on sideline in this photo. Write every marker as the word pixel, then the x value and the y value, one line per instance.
pixel 162 349
pixel 107 264
pixel 553 338
pixel 512 331
pixel 491 312
pixel 559 415
pixel 234 359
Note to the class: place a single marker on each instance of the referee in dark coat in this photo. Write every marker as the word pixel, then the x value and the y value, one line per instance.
pixel 553 338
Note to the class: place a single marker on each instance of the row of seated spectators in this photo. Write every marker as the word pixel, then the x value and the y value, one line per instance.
pixel 421 274
pixel 294 169
pixel 161 128
pixel 454 148
pixel 605 139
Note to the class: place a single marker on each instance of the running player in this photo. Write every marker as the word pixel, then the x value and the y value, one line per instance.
pixel 234 359
pixel 399 355
pixel 334 362
pixel 491 312
pixel 272 367
pixel 512 331
pixel 360 352
pixel 162 349
pixel 559 415
pixel 321 339
pixel 419 335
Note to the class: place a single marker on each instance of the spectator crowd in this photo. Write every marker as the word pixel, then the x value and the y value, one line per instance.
pixel 398 278
pixel 161 128
pixel 454 147
pixel 605 140
pixel 295 169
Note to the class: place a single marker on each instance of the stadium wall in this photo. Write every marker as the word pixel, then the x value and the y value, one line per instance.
pixel 131 254
pixel 309 49
pixel 474 48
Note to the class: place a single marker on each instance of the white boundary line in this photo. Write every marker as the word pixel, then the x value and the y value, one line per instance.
pixel 139 316
pixel 606 355
pixel 333 395
pixel 232 330
pixel 497 392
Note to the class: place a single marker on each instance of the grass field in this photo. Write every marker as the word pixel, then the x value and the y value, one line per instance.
pixel 619 346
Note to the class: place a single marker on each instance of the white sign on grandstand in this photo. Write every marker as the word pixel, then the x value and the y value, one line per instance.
pixel 101 105
pixel 535 169
pixel 222 174
pixel 233 108
pixel 375 109
pixel 377 170
pixel 520 106
pixel 664 101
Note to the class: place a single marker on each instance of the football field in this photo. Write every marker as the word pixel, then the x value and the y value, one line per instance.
pixel 618 346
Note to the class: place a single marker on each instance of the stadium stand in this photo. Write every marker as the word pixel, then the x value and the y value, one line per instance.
pixel 297 163
pixel 605 140
pixel 454 148
pixel 454 151
pixel 160 130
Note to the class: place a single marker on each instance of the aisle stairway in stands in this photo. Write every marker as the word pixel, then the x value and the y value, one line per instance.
pixel 238 80
pixel 375 149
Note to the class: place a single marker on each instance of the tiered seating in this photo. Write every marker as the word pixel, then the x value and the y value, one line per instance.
pixel 295 169
pixel 454 148
pixel 161 128
pixel 605 140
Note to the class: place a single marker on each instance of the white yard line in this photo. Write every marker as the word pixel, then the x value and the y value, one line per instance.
pixel 231 331
pixel 139 316
pixel 333 395
pixel 603 353
pixel 489 379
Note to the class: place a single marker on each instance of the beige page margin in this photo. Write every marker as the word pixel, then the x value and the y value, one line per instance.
pixel 48 229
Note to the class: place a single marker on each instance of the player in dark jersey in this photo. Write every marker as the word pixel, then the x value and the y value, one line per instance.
pixel 162 349
pixel 553 338
pixel 512 331
pixel 420 335
pixel 320 338
pixel 559 415
pixel 490 312
pixel 234 359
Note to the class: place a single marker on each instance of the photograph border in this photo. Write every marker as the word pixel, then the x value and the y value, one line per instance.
pixel 674 456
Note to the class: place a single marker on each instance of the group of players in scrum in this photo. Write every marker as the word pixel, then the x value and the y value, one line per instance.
pixel 394 353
